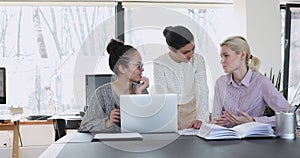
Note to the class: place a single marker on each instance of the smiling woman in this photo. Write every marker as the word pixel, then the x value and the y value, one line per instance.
pixel 103 112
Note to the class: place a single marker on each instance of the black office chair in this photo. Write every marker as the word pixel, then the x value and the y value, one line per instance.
pixel 61 126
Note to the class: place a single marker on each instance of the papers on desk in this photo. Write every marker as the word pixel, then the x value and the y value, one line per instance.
pixel 188 131
pixel 245 130
pixel 118 136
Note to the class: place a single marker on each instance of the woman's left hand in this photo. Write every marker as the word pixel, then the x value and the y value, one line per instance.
pixel 196 125
pixel 236 120
pixel 144 84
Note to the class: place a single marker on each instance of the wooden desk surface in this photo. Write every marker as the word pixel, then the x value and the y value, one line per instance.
pixel 36 122
pixel 6 126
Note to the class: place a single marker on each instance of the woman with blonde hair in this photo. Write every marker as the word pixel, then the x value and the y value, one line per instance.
pixel 243 93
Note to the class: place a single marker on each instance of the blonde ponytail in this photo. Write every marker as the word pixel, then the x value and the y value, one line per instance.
pixel 254 63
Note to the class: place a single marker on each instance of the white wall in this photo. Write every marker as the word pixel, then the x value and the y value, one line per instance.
pixel 259 22
pixel 263 32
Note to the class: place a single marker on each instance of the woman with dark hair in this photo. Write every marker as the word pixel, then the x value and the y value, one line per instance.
pixel 103 114
pixel 183 72
pixel 243 93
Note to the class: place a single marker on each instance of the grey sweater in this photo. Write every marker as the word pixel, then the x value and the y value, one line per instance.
pixel 102 102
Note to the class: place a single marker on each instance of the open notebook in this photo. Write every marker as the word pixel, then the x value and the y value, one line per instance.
pixel 246 130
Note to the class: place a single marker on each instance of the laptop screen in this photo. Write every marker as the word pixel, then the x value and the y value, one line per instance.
pixel 149 113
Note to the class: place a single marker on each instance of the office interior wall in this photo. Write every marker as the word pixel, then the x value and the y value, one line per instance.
pixel 259 22
pixel 264 32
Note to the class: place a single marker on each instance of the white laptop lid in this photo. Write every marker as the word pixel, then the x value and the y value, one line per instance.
pixel 145 113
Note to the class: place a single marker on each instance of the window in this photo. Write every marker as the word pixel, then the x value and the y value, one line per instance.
pixel 292 47
pixel 47 50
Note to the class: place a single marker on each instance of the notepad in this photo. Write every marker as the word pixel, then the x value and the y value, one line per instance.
pixel 245 130
pixel 118 136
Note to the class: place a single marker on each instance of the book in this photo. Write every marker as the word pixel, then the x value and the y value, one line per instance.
pixel 118 136
pixel 245 130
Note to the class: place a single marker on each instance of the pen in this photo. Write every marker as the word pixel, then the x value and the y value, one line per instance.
pixel 116 106
pixel 117 123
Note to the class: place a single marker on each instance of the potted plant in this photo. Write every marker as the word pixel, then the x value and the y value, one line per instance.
pixel 268 111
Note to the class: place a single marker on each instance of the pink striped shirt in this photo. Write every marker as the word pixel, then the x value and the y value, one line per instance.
pixel 252 95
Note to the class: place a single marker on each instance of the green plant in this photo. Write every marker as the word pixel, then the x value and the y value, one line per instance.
pixel 268 111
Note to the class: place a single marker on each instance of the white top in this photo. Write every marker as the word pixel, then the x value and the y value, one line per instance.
pixel 187 80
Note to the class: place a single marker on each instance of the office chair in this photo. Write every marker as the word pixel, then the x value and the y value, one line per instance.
pixel 61 126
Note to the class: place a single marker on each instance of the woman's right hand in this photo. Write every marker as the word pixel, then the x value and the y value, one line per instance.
pixel 220 120
pixel 114 117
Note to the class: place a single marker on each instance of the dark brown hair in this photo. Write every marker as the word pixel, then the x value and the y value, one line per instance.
pixel 119 54
pixel 177 36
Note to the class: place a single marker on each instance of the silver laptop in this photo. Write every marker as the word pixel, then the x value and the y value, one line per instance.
pixel 145 113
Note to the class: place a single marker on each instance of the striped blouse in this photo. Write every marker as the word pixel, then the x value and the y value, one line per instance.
pixel 251 96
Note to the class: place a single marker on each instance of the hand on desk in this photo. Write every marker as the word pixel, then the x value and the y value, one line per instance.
pixel 196 125
pixel 114 117
pixel 229 117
